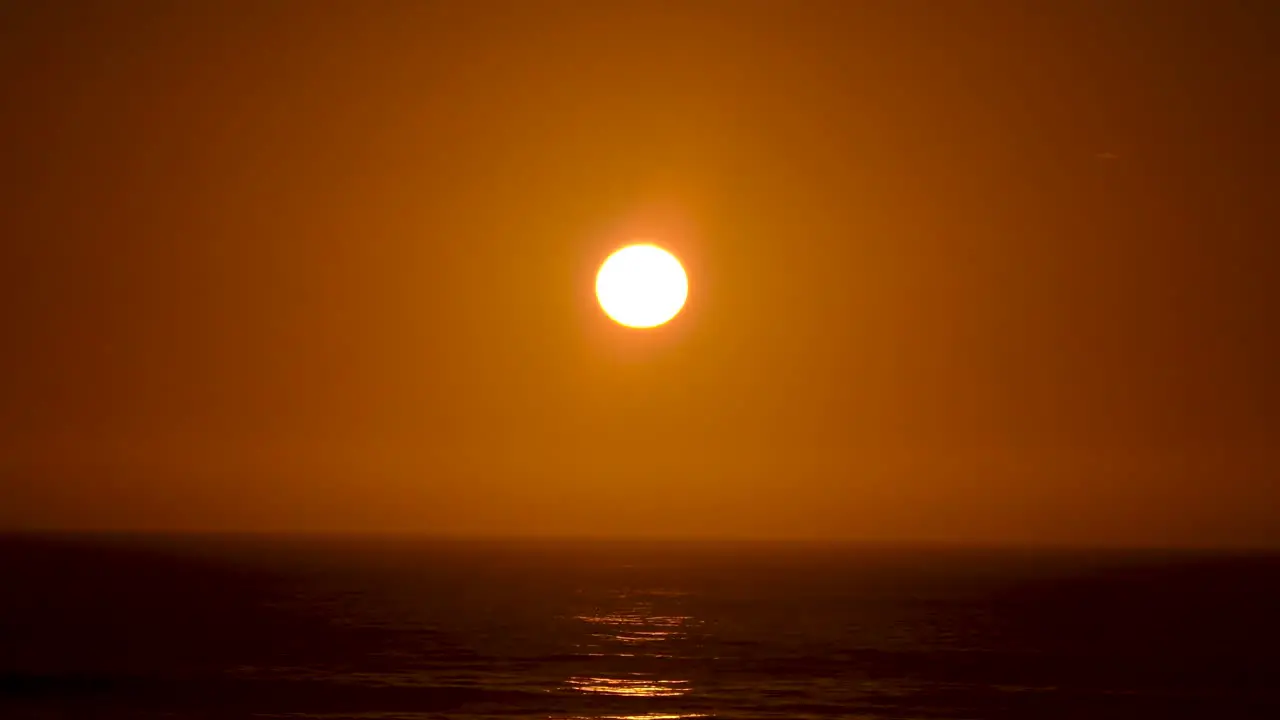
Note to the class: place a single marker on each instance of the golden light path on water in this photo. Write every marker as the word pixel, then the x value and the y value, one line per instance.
pixel 623 686
pixel 634 628
pixel 647 716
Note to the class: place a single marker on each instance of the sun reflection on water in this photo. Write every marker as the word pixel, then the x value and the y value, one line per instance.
pixel 639 626
pixel 646 716
pixel 635 687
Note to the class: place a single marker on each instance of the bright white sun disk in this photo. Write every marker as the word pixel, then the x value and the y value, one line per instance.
pixel 641 286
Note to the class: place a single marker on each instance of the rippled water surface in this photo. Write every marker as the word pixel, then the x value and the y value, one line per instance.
pixel 343 628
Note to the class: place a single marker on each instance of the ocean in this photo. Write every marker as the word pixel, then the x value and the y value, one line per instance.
pixel 312 627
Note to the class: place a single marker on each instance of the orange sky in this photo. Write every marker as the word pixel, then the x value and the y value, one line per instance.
pixel 964 271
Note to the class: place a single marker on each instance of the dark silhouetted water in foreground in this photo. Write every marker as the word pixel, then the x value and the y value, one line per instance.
pixel 340 628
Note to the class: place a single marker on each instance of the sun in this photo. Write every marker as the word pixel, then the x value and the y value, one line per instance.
pixel 641 286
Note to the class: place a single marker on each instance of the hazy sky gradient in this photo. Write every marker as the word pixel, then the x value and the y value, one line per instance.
pixel 959 270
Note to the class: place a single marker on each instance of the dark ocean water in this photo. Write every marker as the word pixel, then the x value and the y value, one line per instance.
pixel 99 627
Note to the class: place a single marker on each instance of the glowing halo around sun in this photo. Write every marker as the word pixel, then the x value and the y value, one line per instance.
pixel 641 286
